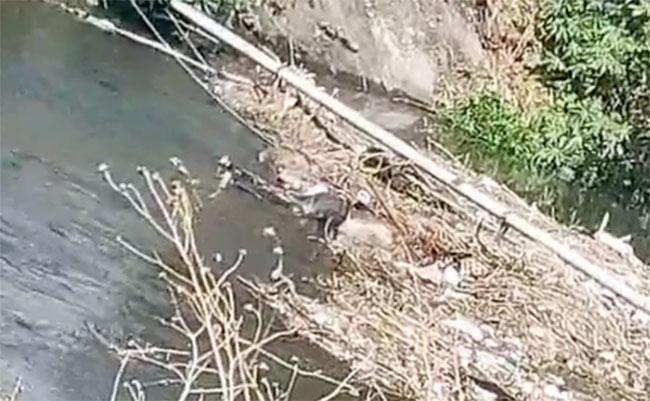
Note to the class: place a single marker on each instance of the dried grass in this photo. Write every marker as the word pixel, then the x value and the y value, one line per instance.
pixel 522 323
pixel 507 33
pixel 218 358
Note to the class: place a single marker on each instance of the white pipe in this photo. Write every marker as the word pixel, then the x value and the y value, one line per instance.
pixel 499 210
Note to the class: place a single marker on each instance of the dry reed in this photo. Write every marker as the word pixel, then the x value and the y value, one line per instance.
pixel 521 323
pixel 218 359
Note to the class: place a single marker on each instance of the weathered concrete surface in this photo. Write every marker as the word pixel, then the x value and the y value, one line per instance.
pixel 408 45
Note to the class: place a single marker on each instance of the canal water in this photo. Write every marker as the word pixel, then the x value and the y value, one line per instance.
pixel 72 97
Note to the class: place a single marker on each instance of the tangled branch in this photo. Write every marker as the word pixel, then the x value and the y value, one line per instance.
pixel 206 315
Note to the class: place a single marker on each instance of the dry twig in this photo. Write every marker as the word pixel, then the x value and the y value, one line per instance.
pixel 206 314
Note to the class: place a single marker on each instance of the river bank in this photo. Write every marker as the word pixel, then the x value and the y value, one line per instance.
pixel 441 330
pixel 395 288
pixel 456 60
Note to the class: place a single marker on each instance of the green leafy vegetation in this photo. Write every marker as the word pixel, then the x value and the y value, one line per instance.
pixel 568 141
pixel 600 50
pixel 592 133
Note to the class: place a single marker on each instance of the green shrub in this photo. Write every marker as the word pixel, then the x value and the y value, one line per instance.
pixel 576 141
pixel 490 126
pixel 570 141
pixel 599 49
pixel 593 136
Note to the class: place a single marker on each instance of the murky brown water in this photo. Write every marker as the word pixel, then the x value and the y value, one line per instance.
pixel 71 97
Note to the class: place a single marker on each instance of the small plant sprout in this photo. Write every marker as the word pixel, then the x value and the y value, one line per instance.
pixel 180 167
pixel 103 167
pixel 225 180
pixel 278 272
pixel 105 170
pixel 224 161
pixel 263 367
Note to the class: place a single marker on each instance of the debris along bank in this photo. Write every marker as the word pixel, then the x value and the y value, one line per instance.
pixel 457 301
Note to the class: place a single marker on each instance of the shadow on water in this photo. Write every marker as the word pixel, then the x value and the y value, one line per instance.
pixel 73 97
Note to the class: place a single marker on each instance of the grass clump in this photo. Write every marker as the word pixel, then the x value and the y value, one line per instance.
pixel 489 126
